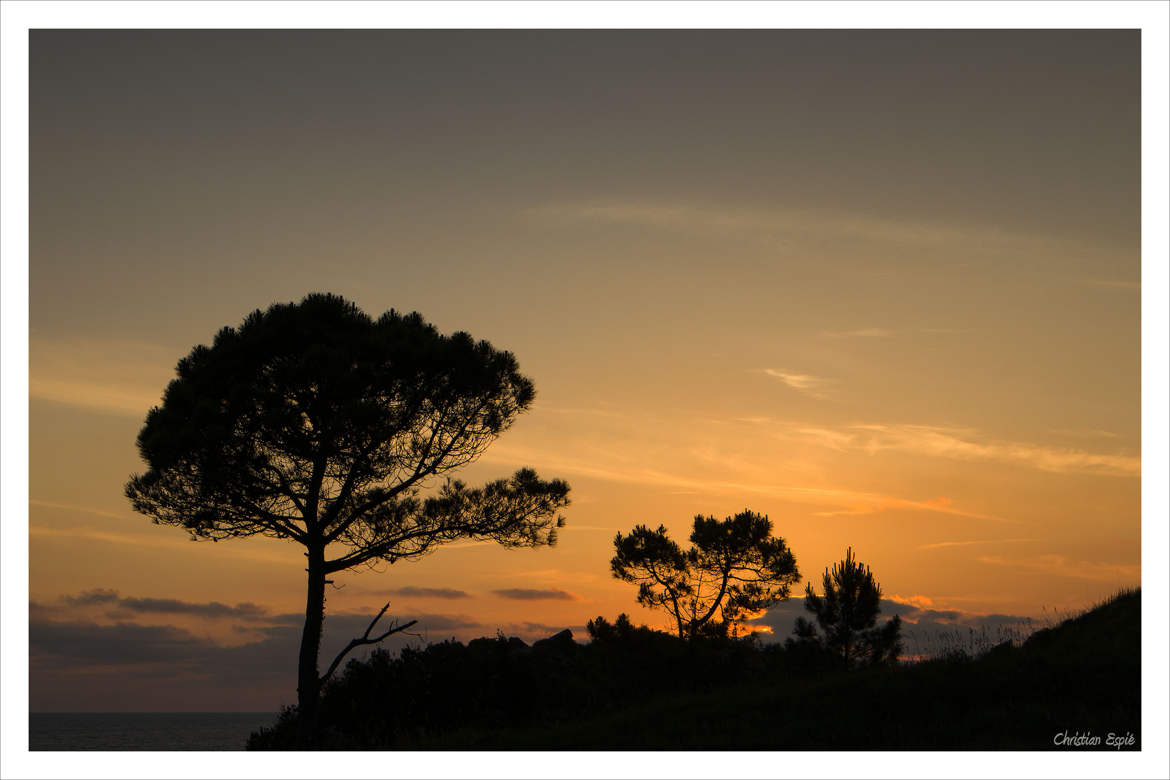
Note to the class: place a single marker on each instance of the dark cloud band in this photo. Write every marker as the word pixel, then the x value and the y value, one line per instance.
pixel 535 594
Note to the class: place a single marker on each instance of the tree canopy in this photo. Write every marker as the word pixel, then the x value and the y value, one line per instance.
pixel 316 423
pixel 734 568
pixel 847 614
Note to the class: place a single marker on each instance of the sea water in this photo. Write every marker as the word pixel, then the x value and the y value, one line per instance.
pixel 143 730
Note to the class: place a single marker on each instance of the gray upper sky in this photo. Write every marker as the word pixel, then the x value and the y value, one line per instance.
pixel 175 160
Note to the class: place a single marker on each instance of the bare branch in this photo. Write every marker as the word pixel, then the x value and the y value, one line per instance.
pixel 366 639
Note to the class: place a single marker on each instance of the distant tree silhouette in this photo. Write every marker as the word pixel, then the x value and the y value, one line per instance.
pixel 601 630
pixel 847 614
pixel 734 567
pixel 316 423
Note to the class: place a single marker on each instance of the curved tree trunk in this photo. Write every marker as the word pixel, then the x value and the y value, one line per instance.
pixel 308 677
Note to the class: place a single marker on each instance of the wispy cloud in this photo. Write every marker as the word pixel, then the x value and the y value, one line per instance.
pixel 590 411
pixel 112 376
pixel 797 381
pixel 73 508
pixel 90 597
pixel 1060 565
pixel 1111 284
pixel 535 594
pixel 1087 433
pixel 887 333
pixel 430 593
pixel 845 501
pixel 173 540
pixel 965 445
pixel 794 226
pixel 212 609
pixel 444 622
pixel 868 503
pixel 122 605
pixel 120 400
pixel 860 333
pixel 827 437
pixel 955 443
pixel 958 444
pixel 969 542
pixel 812 386
pixel 678 455
pixel 800 223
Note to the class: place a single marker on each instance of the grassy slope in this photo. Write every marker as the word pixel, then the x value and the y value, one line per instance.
pixel 1083 675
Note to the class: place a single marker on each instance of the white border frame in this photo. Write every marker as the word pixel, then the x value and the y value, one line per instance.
pixel 16 18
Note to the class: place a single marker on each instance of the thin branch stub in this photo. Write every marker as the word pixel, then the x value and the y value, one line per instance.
pixel 366 639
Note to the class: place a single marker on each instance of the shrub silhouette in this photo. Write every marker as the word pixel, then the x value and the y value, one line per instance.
pixel 502 682
pixel 601 630
pixel 316 423
pixel 847 614
pixel 733 567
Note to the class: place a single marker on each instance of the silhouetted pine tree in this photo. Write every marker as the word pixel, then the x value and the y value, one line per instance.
pixel 847 616
pixel 316 423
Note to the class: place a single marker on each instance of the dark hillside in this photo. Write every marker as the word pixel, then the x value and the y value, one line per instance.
pixel 646 690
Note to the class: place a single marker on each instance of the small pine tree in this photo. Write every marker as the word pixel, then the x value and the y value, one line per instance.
pixel 847 616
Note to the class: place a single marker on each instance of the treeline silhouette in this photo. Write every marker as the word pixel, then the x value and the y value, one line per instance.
pixel 640 689
pixel 505 683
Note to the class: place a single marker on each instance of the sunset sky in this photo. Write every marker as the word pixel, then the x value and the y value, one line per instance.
pixel 882 286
